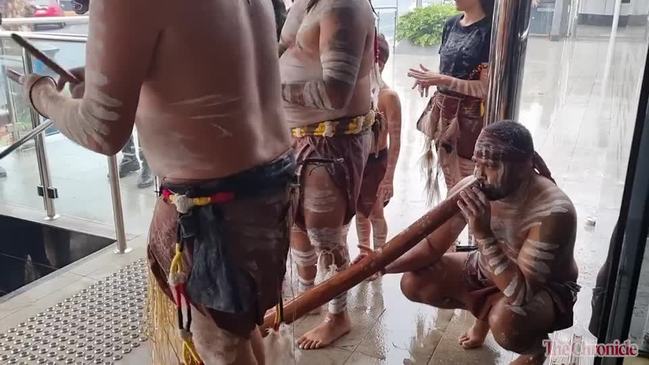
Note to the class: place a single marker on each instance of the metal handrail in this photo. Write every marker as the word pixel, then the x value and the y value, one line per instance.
pixel 75 38
pixel 81 19
pixel 33 133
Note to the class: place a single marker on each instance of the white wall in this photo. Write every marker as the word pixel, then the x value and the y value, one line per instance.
pixel 597 7
pixel 639 7
pixel 607 7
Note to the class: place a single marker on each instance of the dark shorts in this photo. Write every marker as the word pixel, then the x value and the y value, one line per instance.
pixel 352 152
pixel 238 255
pixel 564 295
pixel 377 165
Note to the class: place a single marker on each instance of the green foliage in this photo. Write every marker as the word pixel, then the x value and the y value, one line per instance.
pixel 423 26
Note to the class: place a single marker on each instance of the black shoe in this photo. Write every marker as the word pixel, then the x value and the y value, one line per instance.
pixel 128 165
pixel 146 179
pixel 3 172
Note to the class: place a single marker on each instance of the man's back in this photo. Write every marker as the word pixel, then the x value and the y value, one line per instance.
pixel 210 105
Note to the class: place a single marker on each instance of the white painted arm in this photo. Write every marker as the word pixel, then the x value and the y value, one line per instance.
pixel 121 40
pixel 474 88
pixel 520 280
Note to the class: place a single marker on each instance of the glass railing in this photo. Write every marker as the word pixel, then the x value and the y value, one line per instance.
pixel 49 171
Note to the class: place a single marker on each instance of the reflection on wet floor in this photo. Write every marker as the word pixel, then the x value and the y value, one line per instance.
pixel 29 251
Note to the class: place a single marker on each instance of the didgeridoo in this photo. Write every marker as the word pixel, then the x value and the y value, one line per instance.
pixel 371 264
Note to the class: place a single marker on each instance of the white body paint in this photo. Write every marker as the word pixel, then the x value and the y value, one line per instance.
pixel 304 258
pixel 308 67
pixel 511 288
pixel 320 201
pixel 214 345
pixel 511 226
pixel 328 243
pixel 339 65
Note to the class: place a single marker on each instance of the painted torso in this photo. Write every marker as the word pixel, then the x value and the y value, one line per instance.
pixel 511 224
pixel 210 105
pixel 301 62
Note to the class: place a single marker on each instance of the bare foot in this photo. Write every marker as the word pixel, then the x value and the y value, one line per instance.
pixel 475 336
pixel 332 328
pixel 529 359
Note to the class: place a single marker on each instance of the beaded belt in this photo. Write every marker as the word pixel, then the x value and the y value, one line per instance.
pixel 339 127
pixel 184 203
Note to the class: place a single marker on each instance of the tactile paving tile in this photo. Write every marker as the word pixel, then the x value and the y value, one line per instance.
pixel 98 325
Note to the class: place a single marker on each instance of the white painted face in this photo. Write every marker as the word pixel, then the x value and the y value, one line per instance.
pixel 495 177
pixel 499 171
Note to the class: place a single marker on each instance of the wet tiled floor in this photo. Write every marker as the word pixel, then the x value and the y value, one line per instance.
pixel 581 117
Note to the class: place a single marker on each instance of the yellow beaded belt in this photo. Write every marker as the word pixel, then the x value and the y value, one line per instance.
pixel 331 128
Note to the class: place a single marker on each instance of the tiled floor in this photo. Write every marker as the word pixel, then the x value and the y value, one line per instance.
pixel 98 325
pixel 581 116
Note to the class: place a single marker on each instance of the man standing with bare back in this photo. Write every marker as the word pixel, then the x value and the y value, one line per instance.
pixel 521 283
pixel 327 60
pixel 205 98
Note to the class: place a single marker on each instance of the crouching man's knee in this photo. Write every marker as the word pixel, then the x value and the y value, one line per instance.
pixel 511 339
pixel 514 331
pixel 418 289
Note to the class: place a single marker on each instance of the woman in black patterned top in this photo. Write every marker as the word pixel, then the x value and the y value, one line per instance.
pixel 454 116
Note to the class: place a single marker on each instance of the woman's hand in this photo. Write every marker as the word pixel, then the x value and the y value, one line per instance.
pixel 424 79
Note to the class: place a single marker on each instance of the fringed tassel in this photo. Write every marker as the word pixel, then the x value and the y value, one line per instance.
pixel 166 346
pixel 190 355
pixel 431 170
pixel 278 343
pixel 279 346
pixel 177 283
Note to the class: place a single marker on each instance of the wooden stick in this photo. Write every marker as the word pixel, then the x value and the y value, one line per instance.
pixel 371 264
pixel 65 74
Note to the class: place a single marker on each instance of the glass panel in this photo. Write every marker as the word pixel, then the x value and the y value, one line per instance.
pixel 639 330
pixel 81 176
pixel 19 186
pixel 580 99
